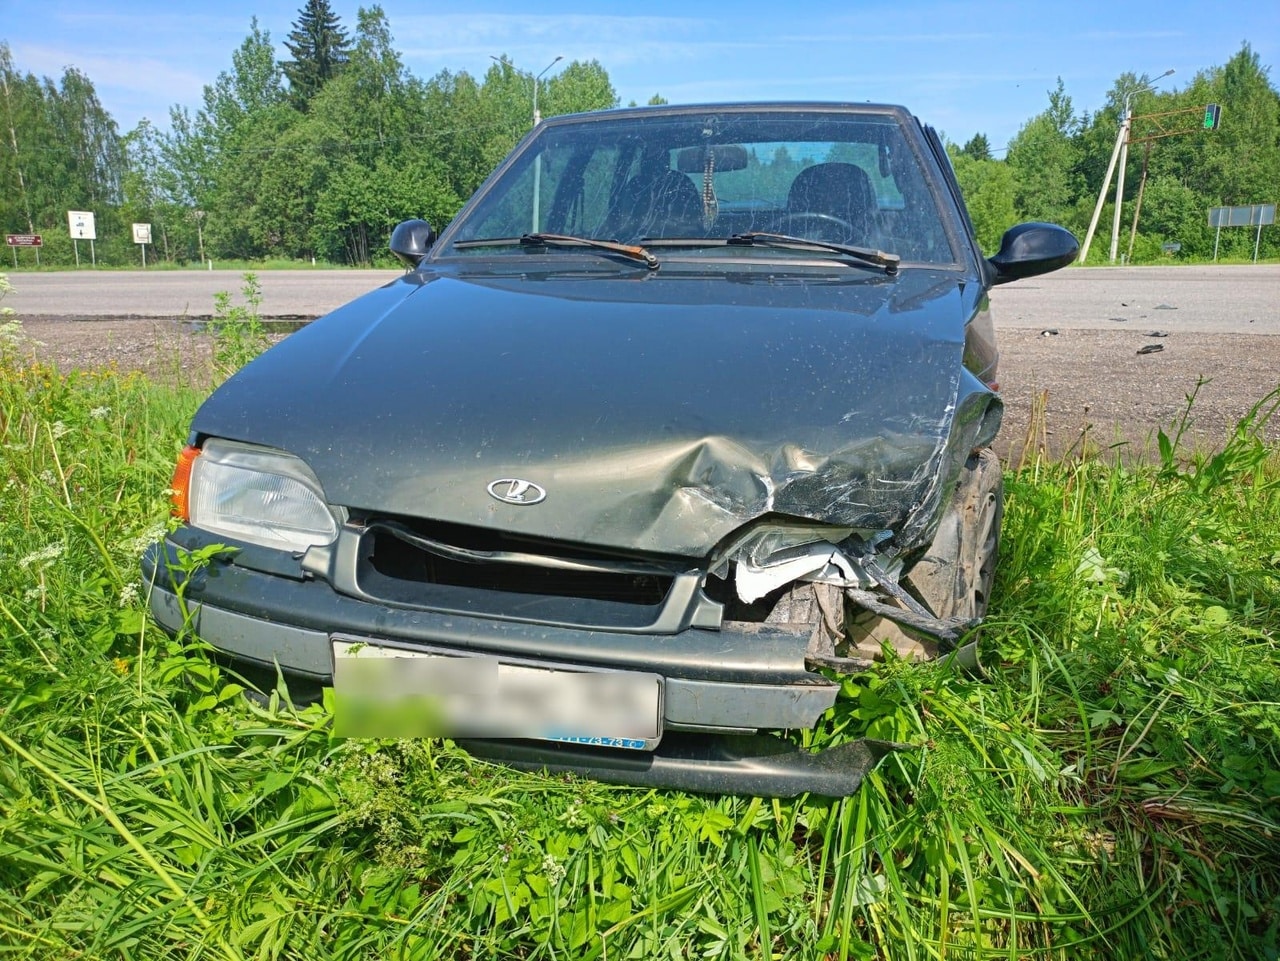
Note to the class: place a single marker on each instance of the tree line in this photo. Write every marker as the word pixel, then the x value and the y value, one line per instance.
pixel 320 155
pixel 1055 166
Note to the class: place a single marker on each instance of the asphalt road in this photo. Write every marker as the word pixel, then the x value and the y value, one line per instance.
pixel 90 294
pixel 1242 299
pixel 1239 299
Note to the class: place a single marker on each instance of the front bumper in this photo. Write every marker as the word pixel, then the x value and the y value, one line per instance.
pixel 721 687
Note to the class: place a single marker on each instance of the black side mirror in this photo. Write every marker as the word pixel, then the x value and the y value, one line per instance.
pixel 411 240
pixel 1030 249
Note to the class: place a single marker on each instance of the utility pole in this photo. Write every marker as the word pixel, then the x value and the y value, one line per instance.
pixel 1125 126
pixel 1121 152
pixel 1137 207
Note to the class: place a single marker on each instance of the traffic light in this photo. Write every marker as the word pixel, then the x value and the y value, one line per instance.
pixel 1212 114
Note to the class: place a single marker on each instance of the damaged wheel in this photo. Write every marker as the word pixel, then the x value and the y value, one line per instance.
pixel 954 577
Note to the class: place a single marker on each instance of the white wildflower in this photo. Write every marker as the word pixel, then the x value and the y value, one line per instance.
pixel 98 413
pixel 555 871
pixel 135 546
pixel 46 554
pixel 59 429
pixel 128 595
pixel 47 477
pixel 573 815
pixel 11 334
pixel 33 593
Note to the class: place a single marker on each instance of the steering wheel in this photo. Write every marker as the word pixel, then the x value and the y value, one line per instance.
pixel 827 227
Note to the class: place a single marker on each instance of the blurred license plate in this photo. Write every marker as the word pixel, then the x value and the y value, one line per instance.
pixel 388 692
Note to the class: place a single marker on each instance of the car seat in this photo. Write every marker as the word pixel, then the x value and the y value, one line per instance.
pixel 667 205
pixel 841 190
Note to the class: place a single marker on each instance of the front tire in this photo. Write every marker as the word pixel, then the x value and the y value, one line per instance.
pixel 955 576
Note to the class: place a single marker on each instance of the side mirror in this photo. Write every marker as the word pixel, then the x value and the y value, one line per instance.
pixel 411 240
pixel 1030 249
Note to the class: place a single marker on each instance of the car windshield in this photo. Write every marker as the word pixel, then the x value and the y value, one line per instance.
pixel 837 177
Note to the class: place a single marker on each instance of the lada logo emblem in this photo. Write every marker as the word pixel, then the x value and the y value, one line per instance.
pixel 513 490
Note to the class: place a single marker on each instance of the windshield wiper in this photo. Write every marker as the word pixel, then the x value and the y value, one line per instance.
pixel 630 251
pixel 865 254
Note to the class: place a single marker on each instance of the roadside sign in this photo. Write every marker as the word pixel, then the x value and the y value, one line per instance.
pixel 81 224
pixel 142 237
pixel 24 240
pixel 1248 215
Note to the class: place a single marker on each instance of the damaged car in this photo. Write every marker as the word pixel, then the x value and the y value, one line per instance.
pixel 686 415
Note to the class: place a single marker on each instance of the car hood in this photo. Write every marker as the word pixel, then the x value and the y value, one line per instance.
pixel 659 412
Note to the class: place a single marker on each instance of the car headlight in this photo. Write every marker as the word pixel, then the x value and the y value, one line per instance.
pixel 252 494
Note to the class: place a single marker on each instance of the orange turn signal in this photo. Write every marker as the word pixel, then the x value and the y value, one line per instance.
pixel 181 484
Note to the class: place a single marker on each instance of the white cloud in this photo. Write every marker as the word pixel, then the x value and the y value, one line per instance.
pixel 145 75
pixel 615 40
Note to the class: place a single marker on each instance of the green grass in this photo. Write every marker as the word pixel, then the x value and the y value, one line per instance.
pixel 1111 787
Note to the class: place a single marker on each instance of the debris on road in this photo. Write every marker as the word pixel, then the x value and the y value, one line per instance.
pixel 1049 332
pixel 1119 320
pixel 1164 307
pixel 1151 349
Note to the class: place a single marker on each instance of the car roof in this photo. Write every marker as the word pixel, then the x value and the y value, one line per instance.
pixel 769 107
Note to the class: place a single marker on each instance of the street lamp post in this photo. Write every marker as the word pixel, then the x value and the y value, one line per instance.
pixel 537 117
pixel 507 64
pixel 537 161
pixel 1120 152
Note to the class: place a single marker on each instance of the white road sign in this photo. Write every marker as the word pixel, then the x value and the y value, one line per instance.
pixel 142 233
pixel 81 224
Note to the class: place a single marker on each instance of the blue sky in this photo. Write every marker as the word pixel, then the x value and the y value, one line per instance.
pixel 962 66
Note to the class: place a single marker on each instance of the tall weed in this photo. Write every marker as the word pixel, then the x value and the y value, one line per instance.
pixel 237 329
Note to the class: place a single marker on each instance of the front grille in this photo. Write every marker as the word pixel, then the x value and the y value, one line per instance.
pixel 396 551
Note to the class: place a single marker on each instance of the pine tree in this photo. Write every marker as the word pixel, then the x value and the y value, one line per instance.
pixel 319 48
pixel 978 147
